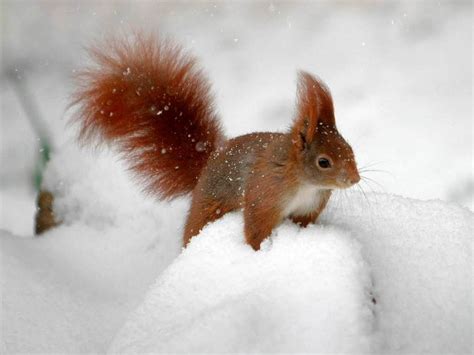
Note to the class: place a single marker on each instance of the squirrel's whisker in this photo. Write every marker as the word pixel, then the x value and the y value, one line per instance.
pixel 367 180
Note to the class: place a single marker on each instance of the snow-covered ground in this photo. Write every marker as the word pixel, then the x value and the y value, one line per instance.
pixel 113 277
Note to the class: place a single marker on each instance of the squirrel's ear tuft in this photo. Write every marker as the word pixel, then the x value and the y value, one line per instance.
pixel 314 106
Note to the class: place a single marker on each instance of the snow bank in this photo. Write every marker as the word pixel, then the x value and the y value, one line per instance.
pixel 306 291
pixel 71 289
pixel 420 254
pixel 76 288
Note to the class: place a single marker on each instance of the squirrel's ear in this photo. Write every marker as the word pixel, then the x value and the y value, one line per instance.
pixel 314 106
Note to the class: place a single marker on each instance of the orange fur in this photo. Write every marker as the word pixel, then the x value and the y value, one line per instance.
pixel 154 101
pixel 314 105
pixel 150 96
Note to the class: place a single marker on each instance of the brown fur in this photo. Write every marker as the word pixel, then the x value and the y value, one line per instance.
pixel 152 99
pixel 259 172
pixel 314 106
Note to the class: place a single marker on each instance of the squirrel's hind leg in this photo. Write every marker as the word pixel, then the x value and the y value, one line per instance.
pixel 203 211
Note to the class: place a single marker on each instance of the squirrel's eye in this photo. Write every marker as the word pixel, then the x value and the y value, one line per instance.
pixel 324 163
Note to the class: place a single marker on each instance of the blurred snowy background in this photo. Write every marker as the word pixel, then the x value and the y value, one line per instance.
pixel 113 276
pixel 400 73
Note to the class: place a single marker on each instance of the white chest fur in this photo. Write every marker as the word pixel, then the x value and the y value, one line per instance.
pixel 306 199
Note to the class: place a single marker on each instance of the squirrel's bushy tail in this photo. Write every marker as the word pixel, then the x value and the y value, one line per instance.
pixel 152 99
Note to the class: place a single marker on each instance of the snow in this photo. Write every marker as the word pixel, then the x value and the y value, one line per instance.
pixel 306 291
pixel 420 254
pixel 113 277
pixel 17 209
pixel 310 289
pixel 70 290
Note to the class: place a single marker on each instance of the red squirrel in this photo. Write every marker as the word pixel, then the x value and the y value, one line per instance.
pixel 153 101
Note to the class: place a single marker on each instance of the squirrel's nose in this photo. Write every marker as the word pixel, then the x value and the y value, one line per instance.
pixel 354 178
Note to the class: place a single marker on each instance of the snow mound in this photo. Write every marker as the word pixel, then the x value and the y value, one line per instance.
pixel 310 290
pixel 420 254
pixel 306 291
pixel 71 289
pixel 75 289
